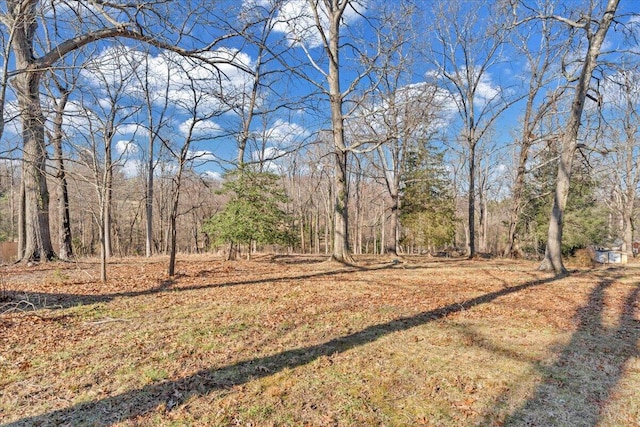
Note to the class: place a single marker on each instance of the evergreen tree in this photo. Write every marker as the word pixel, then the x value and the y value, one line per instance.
pixel 584 221
pixel 253 213
pixel 428 212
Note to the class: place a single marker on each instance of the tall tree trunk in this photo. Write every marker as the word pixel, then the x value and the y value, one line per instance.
pixel 21 220
pixel 303 241
pixel 65 247
pixel 553 253
pixel 36 238
pixel 471 205
pixel 149 201
pixel 383 239
pixel 103 247
pixel 173 214
pixel 517 202
pixel 341 251
pixel 107 214
pixel 482 218
pixel 317 232
pixel 108 182
pixel 627 230
pixel 172 241
pixel 394 247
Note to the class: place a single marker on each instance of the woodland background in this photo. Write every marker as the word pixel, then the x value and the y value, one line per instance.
pixel 213 132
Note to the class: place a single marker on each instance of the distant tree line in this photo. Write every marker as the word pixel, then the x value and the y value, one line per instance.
pixel 336 126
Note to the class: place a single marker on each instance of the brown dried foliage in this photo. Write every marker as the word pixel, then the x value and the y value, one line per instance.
pixel 301 341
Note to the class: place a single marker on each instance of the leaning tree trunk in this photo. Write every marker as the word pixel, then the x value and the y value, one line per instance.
pixel 517 200
pixel 553 253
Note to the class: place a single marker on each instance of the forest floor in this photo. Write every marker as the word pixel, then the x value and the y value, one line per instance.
pixel 298 340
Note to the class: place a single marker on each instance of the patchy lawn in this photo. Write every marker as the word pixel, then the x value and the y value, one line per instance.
pixel 301 341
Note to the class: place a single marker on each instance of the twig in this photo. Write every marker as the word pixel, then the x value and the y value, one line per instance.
pixel 15 306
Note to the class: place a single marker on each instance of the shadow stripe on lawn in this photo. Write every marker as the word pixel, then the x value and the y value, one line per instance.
pixel 172 393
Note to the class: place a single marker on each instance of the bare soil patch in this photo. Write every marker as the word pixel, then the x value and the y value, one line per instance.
pixel 296 340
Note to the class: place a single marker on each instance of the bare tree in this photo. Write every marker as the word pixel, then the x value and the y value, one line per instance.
pixel 467 45
pixel 623 173
pixel 74 26
pixel 203 88
pixel 320 30
pixel 405 118
pixel 6 39
pixel 595 31
pixel 543 46
pixel 65 247
pixel 105 113
pixel 250 101
pixel 156 104
pixel 398 114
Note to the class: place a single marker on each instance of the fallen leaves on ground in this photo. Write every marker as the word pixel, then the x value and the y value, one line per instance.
pixel 297 340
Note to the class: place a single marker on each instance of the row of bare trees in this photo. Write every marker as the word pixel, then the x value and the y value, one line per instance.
pixel 337 96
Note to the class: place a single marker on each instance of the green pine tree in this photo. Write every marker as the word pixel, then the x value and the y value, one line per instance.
pixel 253 213
pixel 428 212
pixel 584 218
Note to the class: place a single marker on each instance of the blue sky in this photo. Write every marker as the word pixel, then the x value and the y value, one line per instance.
pixel 279 131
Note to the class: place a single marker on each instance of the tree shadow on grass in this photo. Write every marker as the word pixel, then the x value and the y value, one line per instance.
pixel 21 300
pixel 576 388
pixel 172 393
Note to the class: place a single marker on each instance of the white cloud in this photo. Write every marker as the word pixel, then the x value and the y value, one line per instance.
pixel 126 147
pixel 272 153
pixel 201 156
pixel 201 129
pixel 296 20
pixel 486 91
pixel 187 82
pixel 211 175
pixel 414 109
pixel 284 133
pixel 13 124
pixel 269 158
pixel 131 167
pixel 620 87
pixel 132 129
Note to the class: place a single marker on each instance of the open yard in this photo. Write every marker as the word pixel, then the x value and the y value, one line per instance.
pixel 302 341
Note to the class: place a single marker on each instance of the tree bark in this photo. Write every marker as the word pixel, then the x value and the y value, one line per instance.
pixel 394 248
pixel 341 251
pixel 36 238
pixel 471 200
pixel 108 193
pixel 65 247
pixel 553 254
pixel 149 201
pixel 517 202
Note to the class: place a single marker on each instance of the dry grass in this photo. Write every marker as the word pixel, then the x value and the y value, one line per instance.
pixel 300 341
